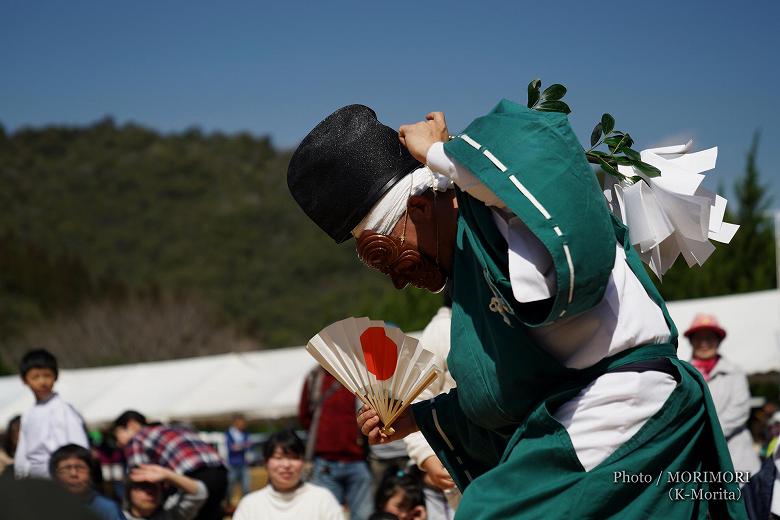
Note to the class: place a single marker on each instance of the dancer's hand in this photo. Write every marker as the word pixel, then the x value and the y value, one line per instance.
pixel 436 475
pixel 419 137
pixel 368 421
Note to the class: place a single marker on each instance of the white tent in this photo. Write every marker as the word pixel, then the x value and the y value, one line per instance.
pixel 262 385
pixel 267 384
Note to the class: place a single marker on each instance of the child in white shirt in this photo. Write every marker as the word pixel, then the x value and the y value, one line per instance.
pixel 49 424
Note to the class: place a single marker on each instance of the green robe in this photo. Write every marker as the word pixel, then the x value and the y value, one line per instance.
pixel 495 432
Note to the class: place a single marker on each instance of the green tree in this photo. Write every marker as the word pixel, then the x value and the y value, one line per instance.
pixel 105 219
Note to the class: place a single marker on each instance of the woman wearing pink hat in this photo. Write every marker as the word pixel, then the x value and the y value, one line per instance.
pixel 729 388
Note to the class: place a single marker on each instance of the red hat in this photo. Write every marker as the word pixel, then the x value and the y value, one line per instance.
pixel 705 322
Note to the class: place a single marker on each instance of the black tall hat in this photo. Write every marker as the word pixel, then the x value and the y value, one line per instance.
pixel 344 166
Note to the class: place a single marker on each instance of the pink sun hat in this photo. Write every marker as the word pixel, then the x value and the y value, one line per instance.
pixel 705 322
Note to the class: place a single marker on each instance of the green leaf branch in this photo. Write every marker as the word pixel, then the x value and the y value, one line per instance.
pixel 549 100
pixel 618 143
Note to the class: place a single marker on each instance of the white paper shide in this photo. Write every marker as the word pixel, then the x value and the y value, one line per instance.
pixel 671 214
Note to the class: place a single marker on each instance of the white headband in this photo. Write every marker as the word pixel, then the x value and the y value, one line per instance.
pixel 390 208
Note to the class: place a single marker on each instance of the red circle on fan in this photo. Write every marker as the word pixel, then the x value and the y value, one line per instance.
pixel 381 352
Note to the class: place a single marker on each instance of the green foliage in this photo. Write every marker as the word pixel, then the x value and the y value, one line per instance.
pixel 617 143
pixel 748 262
pixel 109 212
pixel 549 100
pixel 603 133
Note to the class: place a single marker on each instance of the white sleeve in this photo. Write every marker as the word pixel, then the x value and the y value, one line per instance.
pixel 242 511
pixel 736 413
pixel 186 505
pixel 329 508
pixel 333 511
pixel 531 270
pixel 21 464
pixel 75 430
pixel 440 162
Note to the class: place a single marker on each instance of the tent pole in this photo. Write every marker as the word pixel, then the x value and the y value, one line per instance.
pixel 777 249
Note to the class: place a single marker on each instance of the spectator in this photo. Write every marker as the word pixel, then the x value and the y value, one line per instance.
pixel 761 493
pixel 146 488
pixel 21 500
pixel 287 497
pixel 178 449
pixel 112 463
pixel 441 495
pixel 70 466
pixel 384 456
pixel 238 444
pixel 10 439
pixel 401 494
pixel 51 423
pixel 764 426
pixel 729 388
pixel 772 432
pixel 335 443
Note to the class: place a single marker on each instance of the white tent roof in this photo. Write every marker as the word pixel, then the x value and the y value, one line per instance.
pixel 267 384
pixel 752 324
pixel 262 385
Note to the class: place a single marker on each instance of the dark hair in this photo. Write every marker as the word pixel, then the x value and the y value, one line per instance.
pixel 287 441
pixel 129 485
pixel 8 445
pixel 38 358
pixel 382 515
pixel 127 416
pixel 407 480
pixel 67 452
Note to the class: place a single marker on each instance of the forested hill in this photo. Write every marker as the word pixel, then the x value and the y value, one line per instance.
pixel 118 243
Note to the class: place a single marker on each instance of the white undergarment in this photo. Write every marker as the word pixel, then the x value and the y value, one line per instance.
pixel 611 410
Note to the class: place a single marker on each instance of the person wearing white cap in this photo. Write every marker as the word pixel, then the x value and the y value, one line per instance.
pixel 729 388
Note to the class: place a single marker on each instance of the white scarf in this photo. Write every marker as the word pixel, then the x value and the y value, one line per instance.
pixel 391 207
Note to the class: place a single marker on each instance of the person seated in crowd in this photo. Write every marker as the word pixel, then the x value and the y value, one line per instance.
pixel 10 439
pixel 770 435
pixel 70 466
pixel 112 463
pixel 22 500
pixel 287 497
pixel 145 492
pixel 762 492
pixel 382 515
pixel 177 449
pixel 728 385
pixel 334 443
pixel 441 495
pixel 401 493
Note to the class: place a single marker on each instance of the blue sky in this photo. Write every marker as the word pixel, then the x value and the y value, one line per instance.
pixel 667 71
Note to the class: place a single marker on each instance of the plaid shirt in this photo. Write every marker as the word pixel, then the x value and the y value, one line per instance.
pixel 175 448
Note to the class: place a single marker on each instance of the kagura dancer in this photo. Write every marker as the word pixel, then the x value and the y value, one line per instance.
pixel 570 400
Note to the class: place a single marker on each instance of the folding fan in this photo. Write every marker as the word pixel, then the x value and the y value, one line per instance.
pixel 382 366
